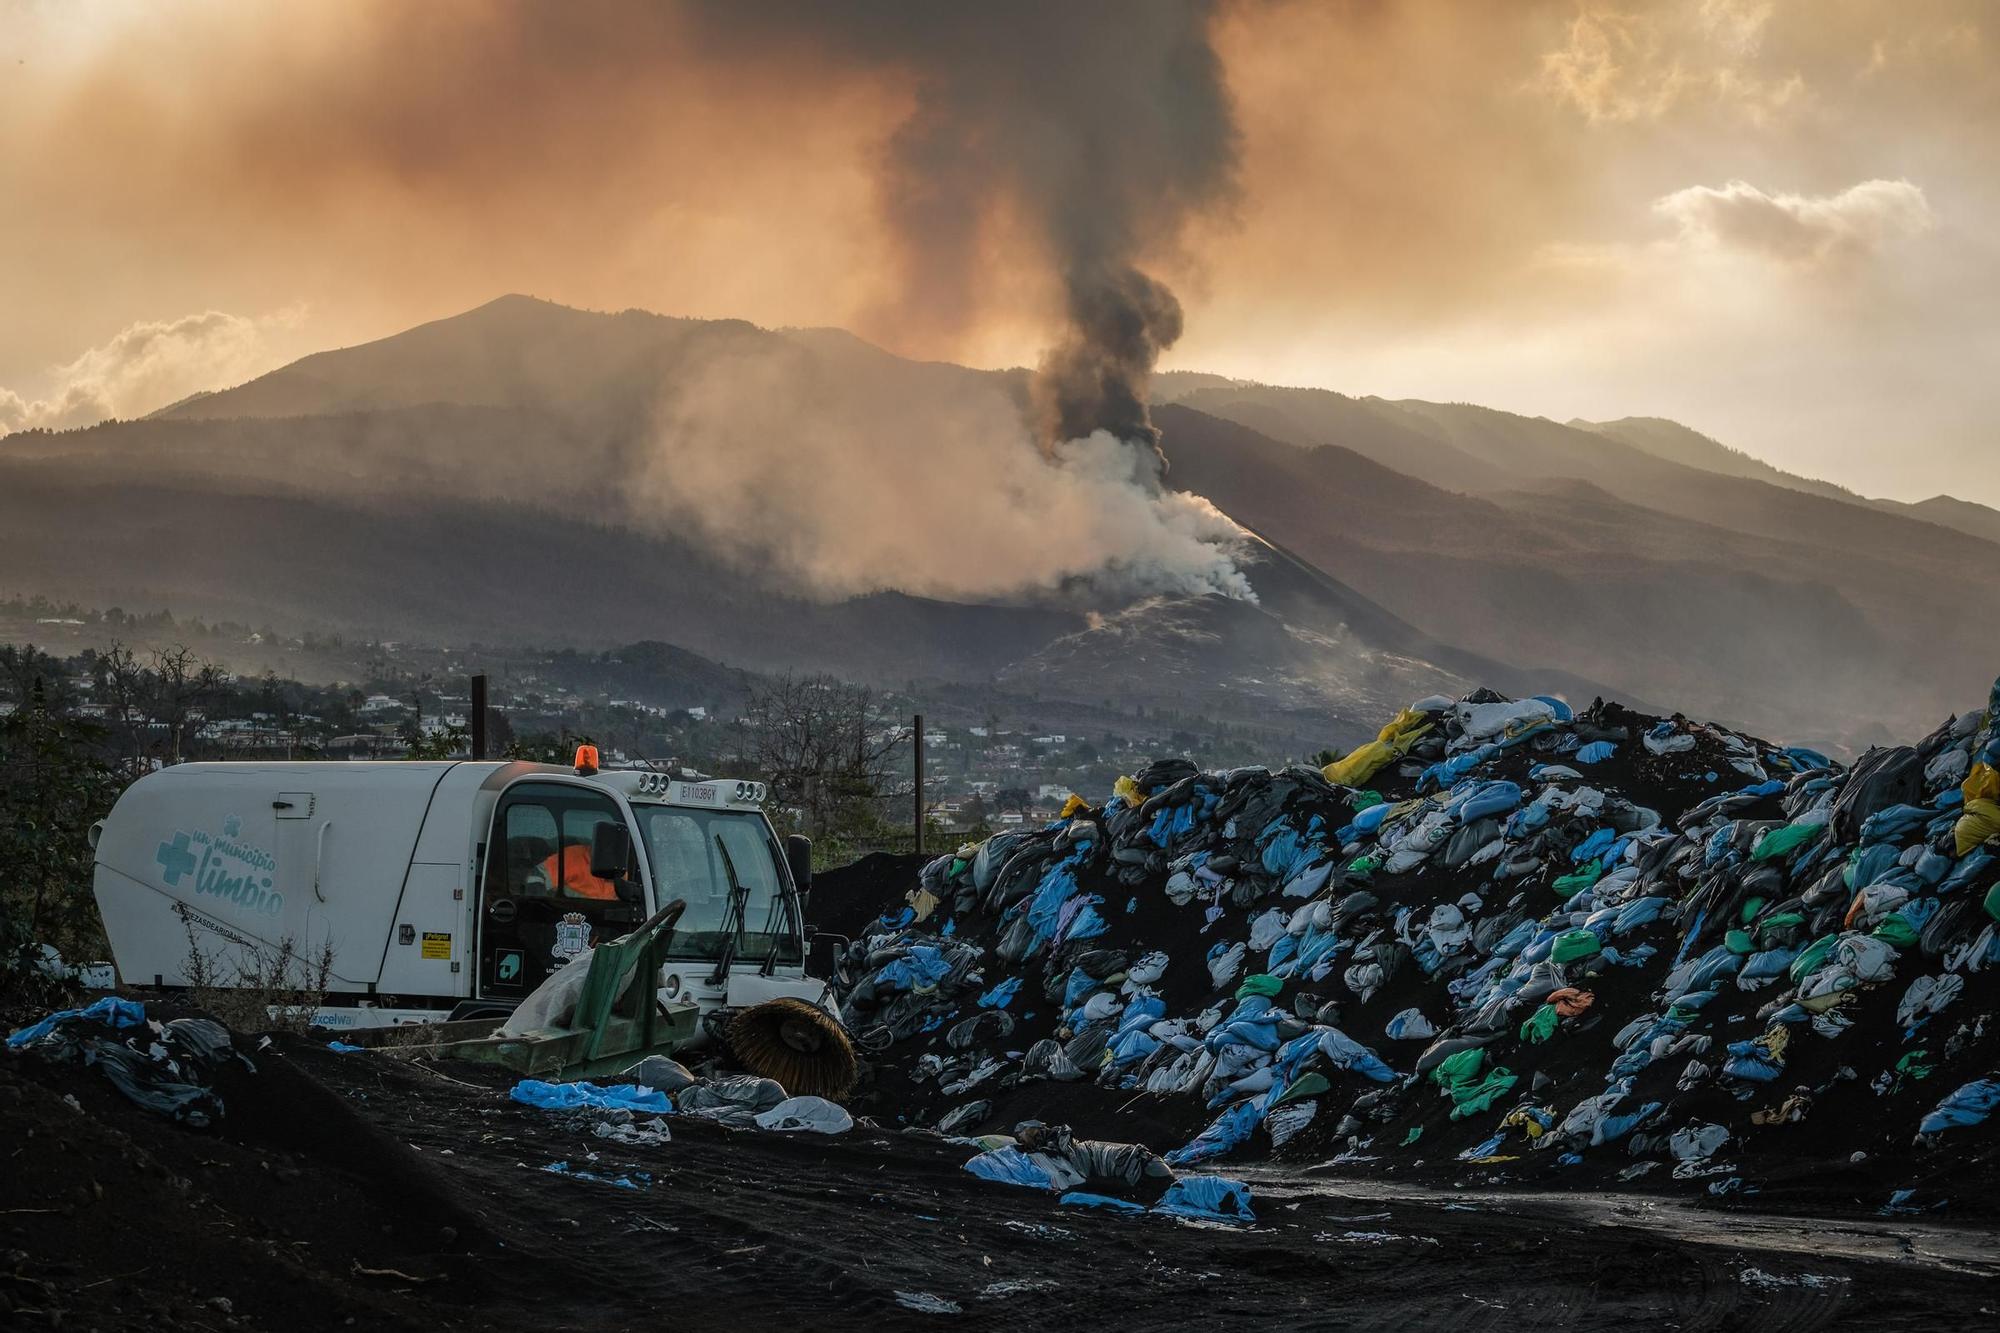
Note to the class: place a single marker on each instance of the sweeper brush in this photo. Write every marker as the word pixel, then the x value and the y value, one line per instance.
pixel 798 1044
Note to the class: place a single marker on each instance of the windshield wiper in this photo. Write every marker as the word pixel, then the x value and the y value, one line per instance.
pixel 738 898
pixel 780 906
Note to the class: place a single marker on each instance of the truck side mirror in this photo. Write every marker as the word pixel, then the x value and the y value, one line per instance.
pixel 610 851
pixel 799 860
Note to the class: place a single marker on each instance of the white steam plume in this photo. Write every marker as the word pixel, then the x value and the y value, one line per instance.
pixel 843 482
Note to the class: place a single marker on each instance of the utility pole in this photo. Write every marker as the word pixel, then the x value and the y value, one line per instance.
pixel 917 763
pixel 479 716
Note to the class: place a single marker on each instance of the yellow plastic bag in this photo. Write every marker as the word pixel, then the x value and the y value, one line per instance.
pixel 1361 764
pixel 1074 805
pixel 1981 784
pixel 1980 821
pixel 1402 722
pixel 1128 789
pixel 1370 759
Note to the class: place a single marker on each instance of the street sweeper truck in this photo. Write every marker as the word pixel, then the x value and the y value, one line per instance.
pixel 430 891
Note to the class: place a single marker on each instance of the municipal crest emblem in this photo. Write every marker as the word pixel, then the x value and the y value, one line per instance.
pixel 572 936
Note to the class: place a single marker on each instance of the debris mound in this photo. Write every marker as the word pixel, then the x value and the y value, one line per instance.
pixel 1502 940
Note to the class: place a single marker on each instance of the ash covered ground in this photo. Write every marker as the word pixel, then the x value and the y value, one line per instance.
pixel 357 1191
pixel 1766 1113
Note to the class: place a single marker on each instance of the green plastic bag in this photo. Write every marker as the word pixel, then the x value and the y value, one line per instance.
pixel 1779 922
pixel 1738 942
pixel 1993 902
pixel 1574 944
pixel 1784 841
pixel 1540 1025
pixel 1310 1085
pixel 1751 907
pixel 1456 1070
pixel 1810 961
pixel 1896 929
pixel 1474 1098
pixel 1259 983
pixel 1578 880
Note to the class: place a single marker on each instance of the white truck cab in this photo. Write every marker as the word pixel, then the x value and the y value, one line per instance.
pixel 453 887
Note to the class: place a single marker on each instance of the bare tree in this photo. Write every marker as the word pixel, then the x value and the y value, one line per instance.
pixel 819 744
pixel 181 686
pixel 121 688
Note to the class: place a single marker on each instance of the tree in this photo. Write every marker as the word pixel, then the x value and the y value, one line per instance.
pixel 817 742
pixel 181 688
pixel 121 689
pixel 446 741
pixel 53 786
pixel 1017 799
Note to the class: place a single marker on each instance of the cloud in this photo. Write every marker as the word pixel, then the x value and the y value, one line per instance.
pixel 148 365
pixel 1795 228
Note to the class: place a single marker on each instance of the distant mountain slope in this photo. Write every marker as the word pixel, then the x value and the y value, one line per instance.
pixel 472 478
pixel 468 480
pixel 1974 520
pixel 1737 625
pixel 436 569
pixel 515 351
pixel 1679 444
pixel 1647 461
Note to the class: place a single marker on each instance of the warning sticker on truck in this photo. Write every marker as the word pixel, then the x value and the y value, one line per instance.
pixel 437 944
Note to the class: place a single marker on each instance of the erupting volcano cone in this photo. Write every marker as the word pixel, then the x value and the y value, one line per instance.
pixel 798 1044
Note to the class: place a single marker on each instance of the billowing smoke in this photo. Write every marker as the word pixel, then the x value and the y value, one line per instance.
pixel 949 177
pixel 834 468
pixel 1098 130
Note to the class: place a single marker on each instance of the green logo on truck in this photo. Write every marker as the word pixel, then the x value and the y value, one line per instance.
pixel 222 867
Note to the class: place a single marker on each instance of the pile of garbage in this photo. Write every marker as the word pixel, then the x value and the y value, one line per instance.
pixel 658 1086
pixel 170 1067
pixel 1503 937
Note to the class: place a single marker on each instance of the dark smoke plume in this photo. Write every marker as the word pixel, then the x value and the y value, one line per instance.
pixel 1097 128
pixel 1095 378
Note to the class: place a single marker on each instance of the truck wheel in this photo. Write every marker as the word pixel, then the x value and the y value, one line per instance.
pixel 797 1044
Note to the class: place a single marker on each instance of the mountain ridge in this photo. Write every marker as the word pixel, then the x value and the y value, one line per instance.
pixel 1445 537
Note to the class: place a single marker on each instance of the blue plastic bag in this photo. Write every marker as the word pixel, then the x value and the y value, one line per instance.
pixel 574 1096
pixel 1970 1105
pixel 110 1010
pixel 1212 1198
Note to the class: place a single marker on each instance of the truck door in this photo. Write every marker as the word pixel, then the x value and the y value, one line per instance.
pixel 539 903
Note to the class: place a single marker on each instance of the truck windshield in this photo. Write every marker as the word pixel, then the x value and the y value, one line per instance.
pixel 680 843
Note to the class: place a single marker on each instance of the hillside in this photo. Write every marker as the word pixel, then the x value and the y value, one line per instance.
pixel 1732 623
pixel 486 478
pixel 495 476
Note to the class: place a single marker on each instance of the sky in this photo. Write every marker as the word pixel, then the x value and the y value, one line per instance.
pixel 1772 220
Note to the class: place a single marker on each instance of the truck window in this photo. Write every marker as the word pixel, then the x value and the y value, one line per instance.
pixel 532 838
pixel 572 872
pixel 548 832
pixel 681 844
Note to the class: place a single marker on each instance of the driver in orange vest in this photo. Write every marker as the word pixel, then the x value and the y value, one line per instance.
pixel 569 871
